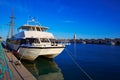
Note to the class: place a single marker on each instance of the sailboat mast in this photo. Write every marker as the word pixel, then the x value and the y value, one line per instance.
pixel 12 24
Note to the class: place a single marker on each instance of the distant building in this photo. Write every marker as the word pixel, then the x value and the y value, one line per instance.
pixel 74 37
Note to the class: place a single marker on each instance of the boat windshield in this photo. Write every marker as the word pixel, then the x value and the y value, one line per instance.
pixel 32 28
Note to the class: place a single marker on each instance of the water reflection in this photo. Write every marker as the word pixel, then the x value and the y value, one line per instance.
pixel 75 52
pixel 44 69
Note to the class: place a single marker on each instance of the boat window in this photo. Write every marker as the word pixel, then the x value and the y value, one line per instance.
pixel 53 40
pixel 32 40
pixel 44 40
pixel 22 41
pixel 38 29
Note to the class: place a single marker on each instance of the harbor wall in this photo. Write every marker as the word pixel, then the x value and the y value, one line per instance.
pixel 107 41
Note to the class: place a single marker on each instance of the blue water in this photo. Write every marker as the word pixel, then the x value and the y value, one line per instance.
pixel 100 62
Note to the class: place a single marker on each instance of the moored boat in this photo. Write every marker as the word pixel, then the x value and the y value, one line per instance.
pixel 33 41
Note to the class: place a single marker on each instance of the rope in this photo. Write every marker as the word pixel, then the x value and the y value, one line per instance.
pixel 19 61
pixel 21 56
pixel 68 52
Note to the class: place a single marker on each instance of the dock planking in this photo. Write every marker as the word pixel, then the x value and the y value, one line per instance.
pixel 19 72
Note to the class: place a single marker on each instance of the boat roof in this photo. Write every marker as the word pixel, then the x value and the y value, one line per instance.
pixel 33 28
pixel 34 34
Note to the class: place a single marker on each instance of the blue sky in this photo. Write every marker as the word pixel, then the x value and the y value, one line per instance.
pixel 85 18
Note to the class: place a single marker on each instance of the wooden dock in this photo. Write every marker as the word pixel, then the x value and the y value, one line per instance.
pixel 19 72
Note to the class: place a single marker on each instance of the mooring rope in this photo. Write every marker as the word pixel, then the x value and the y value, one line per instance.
pixel 68 52
pixel 21 56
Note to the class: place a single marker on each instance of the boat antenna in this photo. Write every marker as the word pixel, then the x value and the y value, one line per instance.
pixel 32 19
pixel 12 23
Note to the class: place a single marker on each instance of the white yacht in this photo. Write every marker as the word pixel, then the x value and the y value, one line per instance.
pixel 33 41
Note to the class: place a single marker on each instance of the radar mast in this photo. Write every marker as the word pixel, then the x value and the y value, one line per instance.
pixel 12 24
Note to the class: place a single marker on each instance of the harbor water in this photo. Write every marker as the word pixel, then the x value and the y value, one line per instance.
pixel 79 62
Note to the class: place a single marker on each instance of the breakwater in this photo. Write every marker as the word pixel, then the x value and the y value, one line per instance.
pixel 109 41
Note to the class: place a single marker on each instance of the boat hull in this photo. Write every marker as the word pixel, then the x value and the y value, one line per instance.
pixel 31 53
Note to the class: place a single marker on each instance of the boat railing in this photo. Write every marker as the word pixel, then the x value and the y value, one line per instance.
pixel 33 21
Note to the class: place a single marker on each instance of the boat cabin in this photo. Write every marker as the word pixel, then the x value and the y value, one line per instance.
pixel 29 41
pixel 33 28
